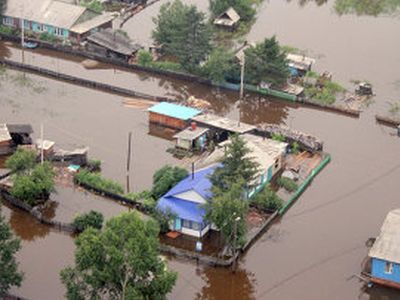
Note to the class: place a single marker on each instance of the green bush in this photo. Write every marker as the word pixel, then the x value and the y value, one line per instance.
pixel 7 30
pixel 144 58
pixel 95 180
pixel 47 37
pixel 92 219
pixel 288 184
pixel 165 178
pixel 22 160
pixel 94 5
pixel 295 147
pixel 34 186
pixel 267 200
pixel 278 137
pixel 167 65
pixel 95 164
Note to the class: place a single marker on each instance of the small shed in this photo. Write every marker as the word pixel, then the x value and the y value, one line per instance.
pixel 172 115
pixel 299 64
pixel 5 140
pixel 112 43
pixel 221 127
pixel 48 147
pixel 385 253
pixel 20 133
pixel 228 19
pixel 193 137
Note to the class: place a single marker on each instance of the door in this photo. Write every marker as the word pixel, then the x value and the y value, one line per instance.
pixel 178 224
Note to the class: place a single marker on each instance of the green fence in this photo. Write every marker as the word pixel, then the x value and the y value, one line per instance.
pixel 304 185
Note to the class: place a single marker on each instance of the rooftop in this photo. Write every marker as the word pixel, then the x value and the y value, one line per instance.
pixel 92 23
pixel 190 134
pixel 300 62
pixel 223 123
pixel 174 111
pixel 20 128
pixel 227 18
pixel 387 245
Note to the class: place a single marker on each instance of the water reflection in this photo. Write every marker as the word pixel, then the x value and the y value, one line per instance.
pixel 304 2
pixel 239 285
pixel 381 293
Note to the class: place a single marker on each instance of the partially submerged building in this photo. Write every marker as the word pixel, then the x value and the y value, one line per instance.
pixel 385 253
pixel 112 43
pixel 5 140
pixel 12 135
pixel 55 17
pixel 229 19
pixel 172 115
pixel 185 201
pixel 299 64
pixel 192 138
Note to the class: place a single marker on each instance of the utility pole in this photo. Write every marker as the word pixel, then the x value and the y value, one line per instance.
pixel 236 220
pixel 243 62
pixel 42 144
pixel 22 36
pixel 128 162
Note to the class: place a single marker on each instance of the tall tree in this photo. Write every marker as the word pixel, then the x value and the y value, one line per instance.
pixel 120 262
pixel 227 211
pixel 266 62
pixel 237 166
pixel 182 32
pixel 166 178
pixel 243 8
pixel 219 64
pixel 3 4
pixel 9 274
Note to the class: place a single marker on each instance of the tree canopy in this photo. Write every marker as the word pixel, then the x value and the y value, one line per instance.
pixel 243 8
pixel 165 178
pixel 219 64
pixel 9 245
pixel 183 33
pixel 120 262
pixel 266 62
pixel 22 160
pixel 3 4
pixel 236 167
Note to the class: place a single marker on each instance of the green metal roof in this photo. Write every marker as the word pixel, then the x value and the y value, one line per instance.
pixel 175 111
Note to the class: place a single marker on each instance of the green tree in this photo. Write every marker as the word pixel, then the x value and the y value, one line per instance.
pixel 144 58
pixel 9 245
pixel 237 166
pixel 243 8
pixel 3 5
pixel 22 160
pixel 33 186
pixel 266 62
pixel 120 262
pixel 219 64
pixel 166 178
pixel 92 219
pixel 183 33
pixel 227 211
pixel 267 199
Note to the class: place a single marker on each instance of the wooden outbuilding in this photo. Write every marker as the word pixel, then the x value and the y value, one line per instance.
pixel 172 115
pixel 192 138
pixel 229 19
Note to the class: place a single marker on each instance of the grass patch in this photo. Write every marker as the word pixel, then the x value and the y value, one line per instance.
pixel 325 92
pixel 97 181
pixel 288 184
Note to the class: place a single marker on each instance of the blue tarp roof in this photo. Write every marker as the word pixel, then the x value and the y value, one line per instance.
pixel 187 210
pixel 175 111
pixel 200 183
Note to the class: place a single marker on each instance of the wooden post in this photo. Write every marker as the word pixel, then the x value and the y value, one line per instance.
pixel 42 144
pixel 128 162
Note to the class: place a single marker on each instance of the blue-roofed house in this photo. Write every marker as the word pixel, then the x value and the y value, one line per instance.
pixel 385 253
pixel 172 115
pixel 185 201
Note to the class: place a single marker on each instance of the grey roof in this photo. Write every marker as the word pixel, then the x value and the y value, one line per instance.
pixel 300 62
pixel 387 245
pixel 51 12
pixel 4 134
pixel 190 134
pixel 20 128
pixel 92 23
pixel 228 18
pixel 114 41
pixel 223 123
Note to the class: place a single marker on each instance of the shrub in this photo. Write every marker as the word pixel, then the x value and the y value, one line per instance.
pixel 7 30
pixel 92 219
pixel 295 147
pixel 96 181
pixel 288 184
pixel 144 58
pixel 163 219
pixel 267 200
pixel 47 37
pixel 94 164
pixel 278 137
pixel 165 178
pixel 22 160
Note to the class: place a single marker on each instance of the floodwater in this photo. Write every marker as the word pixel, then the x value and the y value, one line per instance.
pixel 319 244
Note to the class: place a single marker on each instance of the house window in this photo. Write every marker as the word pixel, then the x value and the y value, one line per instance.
pixel 186 224
pixel 195 226
pixel 59 31
pixel 276 163
pixel 39 27
pixel 388 268
pixel 8 21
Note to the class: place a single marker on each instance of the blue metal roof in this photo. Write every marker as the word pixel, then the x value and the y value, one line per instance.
pixel 200 183
pixel 175 111
pixel 183 209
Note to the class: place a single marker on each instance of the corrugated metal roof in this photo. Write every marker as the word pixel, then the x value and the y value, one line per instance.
pixel 20 128
pixel 175 111
pixel 387 245
pixel 223 123
pixel 50 12
pixel 228 17
pixel 190 134
pixel 4 134
pixel 183 209
pixel 92 23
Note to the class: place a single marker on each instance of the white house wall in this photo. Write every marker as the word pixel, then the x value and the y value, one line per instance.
pixel 191 232
pixel 191 196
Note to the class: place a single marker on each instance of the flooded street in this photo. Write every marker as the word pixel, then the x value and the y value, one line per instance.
pixel 319 244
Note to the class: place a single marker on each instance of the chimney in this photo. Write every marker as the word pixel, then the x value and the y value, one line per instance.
pixel 192 170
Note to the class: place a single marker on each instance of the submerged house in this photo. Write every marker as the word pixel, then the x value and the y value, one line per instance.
pixel 114 44
pixel 12 135
pixel 172 115
pixel 5 140
pixel 229 19
pixel 299 64
pixel 185 202
pixel 385 253
pixel 192 138
pixel 57 18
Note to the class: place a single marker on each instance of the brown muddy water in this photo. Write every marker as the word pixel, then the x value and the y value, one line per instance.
pixel 319 244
